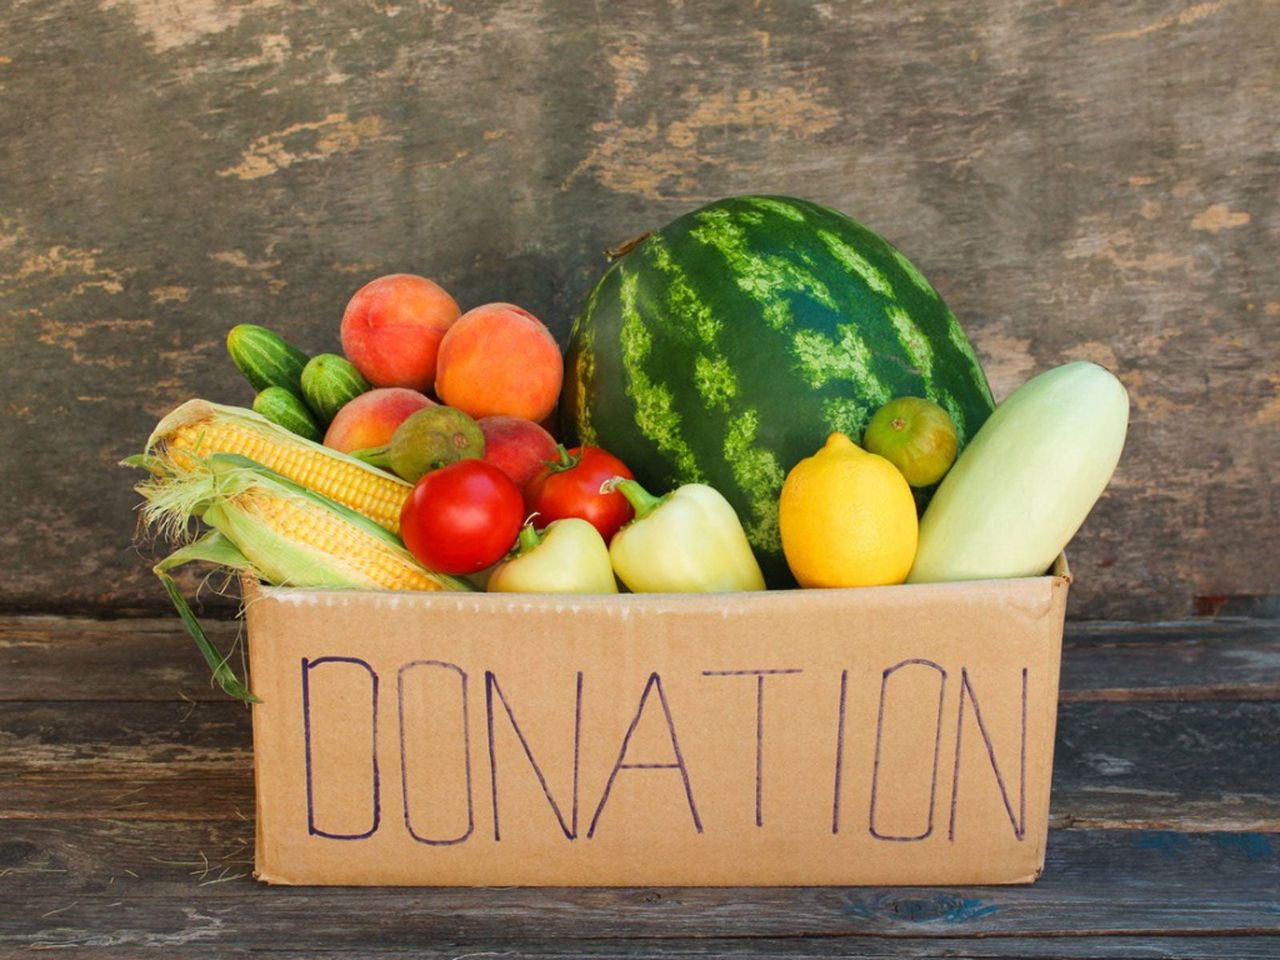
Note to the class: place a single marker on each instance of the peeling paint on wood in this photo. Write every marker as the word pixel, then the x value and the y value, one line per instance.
pixel 657 161
pixel 1219 217
pixel 168 25
pixel 1099 186
pixel 305 142
pixel 1187 15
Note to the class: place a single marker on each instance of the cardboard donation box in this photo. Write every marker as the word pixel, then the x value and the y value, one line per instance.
pixel 890 735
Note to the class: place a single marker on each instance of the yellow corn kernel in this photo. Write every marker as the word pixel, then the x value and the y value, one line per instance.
pixel 319 528
pixel 200 429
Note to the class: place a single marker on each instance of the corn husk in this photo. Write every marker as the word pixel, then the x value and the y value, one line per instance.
pixel 234 496
pixel 199 429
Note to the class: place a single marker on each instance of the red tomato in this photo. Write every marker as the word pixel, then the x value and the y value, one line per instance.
pixel 462 518
pixel 571 488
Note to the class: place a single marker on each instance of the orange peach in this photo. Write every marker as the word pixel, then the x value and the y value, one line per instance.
pixel 392 328
pixel 371 418
pixel 517 447
pixel 499 359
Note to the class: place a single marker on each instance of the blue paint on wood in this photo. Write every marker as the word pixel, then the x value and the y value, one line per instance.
pixel 1254 846
pixel 1165 842
pixel 939 908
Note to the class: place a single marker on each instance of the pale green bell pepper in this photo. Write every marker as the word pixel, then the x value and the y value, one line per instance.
pixel 689 541
pixel 570 556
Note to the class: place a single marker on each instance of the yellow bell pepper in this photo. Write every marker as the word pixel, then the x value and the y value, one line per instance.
pixel 689 541
pixel 570 556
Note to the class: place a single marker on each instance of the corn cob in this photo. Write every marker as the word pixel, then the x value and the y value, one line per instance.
pixel 276 529
pixel 288 534
pixel 331 551
pixel 199 429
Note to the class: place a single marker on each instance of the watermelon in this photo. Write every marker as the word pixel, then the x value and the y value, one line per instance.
pixel 725 347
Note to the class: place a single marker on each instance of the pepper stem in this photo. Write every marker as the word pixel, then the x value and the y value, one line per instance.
pixel 528 539
pixel 641 500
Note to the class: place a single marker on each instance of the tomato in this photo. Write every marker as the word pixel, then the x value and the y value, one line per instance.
pixel 571 488
pixel 462 518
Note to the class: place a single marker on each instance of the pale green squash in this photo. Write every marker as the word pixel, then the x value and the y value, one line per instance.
pixel 1023 486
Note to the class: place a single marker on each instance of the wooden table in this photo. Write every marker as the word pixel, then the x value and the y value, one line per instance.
pixel 126 826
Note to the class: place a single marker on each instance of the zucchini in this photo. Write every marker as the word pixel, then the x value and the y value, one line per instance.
pixel 1025 483
pixel 265 358
pixel 329 382
pixel 282 407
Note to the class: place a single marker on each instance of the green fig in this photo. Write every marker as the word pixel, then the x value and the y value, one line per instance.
pixel 431 438
pixel 916 435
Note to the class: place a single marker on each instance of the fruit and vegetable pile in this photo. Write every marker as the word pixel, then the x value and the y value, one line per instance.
pixel 763 394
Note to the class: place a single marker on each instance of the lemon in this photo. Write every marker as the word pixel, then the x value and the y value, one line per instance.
pixel 847 518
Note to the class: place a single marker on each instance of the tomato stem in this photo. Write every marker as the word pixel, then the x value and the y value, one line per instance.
pixel 565 460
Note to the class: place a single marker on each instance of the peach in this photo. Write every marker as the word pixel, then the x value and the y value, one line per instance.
pixel 499 359
pixel 392 328
pixel 371 418
pixel 517 447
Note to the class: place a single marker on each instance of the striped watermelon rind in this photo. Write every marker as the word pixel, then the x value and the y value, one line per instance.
pixel 725 347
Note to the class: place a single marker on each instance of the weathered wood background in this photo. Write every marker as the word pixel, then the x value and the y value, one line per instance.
pixel 1079 179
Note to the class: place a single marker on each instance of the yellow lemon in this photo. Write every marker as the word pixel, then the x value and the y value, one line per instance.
pixel 847 518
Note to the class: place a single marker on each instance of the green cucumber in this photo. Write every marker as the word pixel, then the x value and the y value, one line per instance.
pixel 265 358
pixel 280 406
pixel 330 382
pixel 1025 483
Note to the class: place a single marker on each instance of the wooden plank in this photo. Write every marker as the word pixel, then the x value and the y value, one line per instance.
pixel 77 658
pixel 134 883
pixel 1241 947
pixel 1188 766
pixel 1188 660
pixel 129 760
pixel 152 658
pixel 147 760
pixel 1150 249
pixel 81 658
pixel 1195 766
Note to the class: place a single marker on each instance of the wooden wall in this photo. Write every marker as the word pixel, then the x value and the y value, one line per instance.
pixel 1079 179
